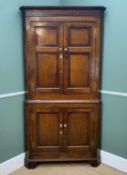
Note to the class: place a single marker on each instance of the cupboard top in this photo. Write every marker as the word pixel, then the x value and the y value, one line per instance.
pixel 101 8
pixel 62 10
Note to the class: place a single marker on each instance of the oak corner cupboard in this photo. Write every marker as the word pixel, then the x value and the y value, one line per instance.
pixel 62 49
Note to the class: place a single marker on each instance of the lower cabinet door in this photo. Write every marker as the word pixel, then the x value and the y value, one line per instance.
pixel 62 131
pixel 44 132
pixel 80 130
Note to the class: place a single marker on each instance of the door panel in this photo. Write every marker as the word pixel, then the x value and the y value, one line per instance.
pixel 49 71
pixel 79 55
pixel 46 121
pixel 41 34
pixel 46 67
pixel 79 35
pixel 79 131
pixel 45 130
pixel 78 69
pixel 78 128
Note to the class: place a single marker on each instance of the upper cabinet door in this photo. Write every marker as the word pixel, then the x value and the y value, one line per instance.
pixel 44 47
pixel 81 57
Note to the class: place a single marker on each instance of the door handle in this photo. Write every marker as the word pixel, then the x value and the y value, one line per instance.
pixel 61 56
pixel 60 49
pixel 61 132
pixel 61 125
pixel 65 125
pixel 66 49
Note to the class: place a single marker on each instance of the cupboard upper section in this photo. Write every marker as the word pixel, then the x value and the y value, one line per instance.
pixel 62 52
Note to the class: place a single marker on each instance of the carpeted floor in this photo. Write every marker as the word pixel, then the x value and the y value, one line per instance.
pixel 68 169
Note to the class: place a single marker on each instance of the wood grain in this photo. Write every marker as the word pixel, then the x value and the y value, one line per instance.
pixel 62 48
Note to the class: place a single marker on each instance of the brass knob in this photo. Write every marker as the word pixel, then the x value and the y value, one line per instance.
pixel 60 49
pixel 65 125
pixel 61 132
pixel 60 125
pixel 61 57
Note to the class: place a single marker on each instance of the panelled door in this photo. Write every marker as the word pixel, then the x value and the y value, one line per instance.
pixel 79 55
pixel 46 67
pixel 55 130
pixel 62 57
pixel 79 129
pixel 45 130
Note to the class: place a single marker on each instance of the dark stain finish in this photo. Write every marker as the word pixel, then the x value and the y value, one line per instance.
pixel 62 47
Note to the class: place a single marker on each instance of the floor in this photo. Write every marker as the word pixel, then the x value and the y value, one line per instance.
pixel 68 169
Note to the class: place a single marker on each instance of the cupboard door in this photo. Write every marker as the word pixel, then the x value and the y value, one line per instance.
pixel 44 130
pixel 44 57
pixel 80 57
pixel 79 129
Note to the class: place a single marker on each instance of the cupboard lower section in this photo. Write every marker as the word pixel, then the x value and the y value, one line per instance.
pixel 32 160
pixel 61 132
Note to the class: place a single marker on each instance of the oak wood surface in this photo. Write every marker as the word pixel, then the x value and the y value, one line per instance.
pixel 62 47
